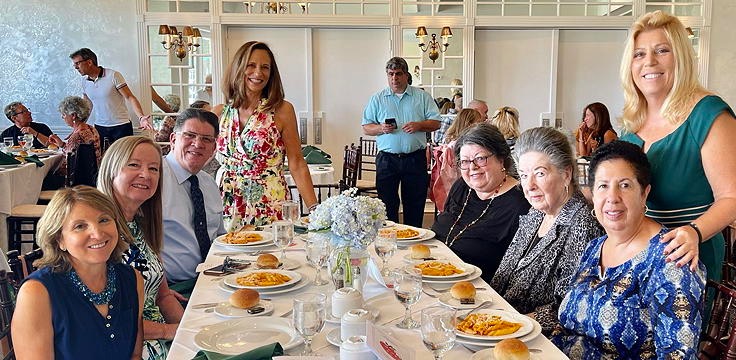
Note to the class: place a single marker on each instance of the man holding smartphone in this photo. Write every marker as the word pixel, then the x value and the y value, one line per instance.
pixel 400 116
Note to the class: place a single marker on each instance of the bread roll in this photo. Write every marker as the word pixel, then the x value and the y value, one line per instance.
pixel 244 298
pixel 511 349
pixel 463 290
pixel 23 153
pixel 419 251
pixel 267 261
pixel 53 147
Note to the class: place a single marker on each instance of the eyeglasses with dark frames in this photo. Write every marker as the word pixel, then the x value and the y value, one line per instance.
pixel 479 161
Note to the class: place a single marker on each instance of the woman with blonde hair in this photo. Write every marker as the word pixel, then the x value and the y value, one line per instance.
pixel 464 119
pixel 686 132
pixel 506 119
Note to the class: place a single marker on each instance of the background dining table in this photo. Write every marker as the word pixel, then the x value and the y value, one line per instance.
pixel 207 290
pixel 21 185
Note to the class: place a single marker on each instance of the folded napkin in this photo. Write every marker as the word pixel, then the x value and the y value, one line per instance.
pixel 315 155
pixel 265 352
pixel 6 159
pixel 34 159
pixel 300 229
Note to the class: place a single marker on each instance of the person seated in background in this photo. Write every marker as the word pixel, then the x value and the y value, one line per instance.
pixel 479 106
pixel 595 129
pixel 535 272
pixel 206 93
pixel 75 111
pixel 457 101
pixel 626 301
pixel 482 211
pixel 167 125
pixel 201 104
pixel 82 302
pixel 506 119
pixel 23 123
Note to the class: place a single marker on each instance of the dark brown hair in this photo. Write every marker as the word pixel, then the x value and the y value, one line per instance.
pixel 234 79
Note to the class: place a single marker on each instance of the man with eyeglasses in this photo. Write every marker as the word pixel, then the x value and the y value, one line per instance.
pixel 108 92
pixel 400 116
pixel 23 124
pixel 192 207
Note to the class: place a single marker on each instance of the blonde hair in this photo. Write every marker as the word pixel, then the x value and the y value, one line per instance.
pixel 234 84
pixel 686 86
pixel 464 119
pixel 506 119
pixel 149 213
pixel 51 223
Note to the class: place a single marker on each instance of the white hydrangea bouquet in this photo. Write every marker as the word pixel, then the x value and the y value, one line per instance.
pixel 353 219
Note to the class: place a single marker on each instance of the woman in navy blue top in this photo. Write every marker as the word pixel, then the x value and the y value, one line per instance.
pixel 82 303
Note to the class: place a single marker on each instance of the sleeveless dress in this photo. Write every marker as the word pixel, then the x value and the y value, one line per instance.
pixel 144 259
pixel 680 191
pixel 251 177
pixel 80 331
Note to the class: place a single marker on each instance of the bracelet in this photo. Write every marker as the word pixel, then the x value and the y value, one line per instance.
pixel 313 207
pixel 697 230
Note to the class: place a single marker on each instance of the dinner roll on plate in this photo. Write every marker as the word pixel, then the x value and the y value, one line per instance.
pixel 267 261
pixel 511 349
pixel 244 298
pixel 420 251
pixel 463 290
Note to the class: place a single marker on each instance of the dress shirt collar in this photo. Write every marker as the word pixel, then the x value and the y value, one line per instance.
pixel 409 91
pixel 180 173
pixel 102 73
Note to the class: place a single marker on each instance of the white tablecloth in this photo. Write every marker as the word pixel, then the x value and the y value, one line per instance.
pixel 321 174
pixel 207 291
pixel 21 185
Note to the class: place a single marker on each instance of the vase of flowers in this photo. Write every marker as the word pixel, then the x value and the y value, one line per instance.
pixel 351 222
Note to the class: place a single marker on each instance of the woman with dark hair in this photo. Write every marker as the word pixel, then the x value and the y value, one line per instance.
pixel 258 133
pixel 595 129
pixel 626 301
pixel 482 211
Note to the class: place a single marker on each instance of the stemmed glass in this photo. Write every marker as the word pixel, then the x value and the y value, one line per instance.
pixel 290 211
pixel 27 142
pixel 309 317
pixel 385 246
pixel 283 234
pixel 407 288
pixel 8 141
pixel 438 329
pixel 317 250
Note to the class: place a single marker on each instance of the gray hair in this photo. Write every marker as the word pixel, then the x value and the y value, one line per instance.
pixel 475 102
pixel 550 142
pixel 10 109
pixel 487 136
pixel 397 63
pixel 75 105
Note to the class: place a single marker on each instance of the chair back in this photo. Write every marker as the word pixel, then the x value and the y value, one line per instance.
pixel 82 166
pixel 7 306
pixel 369 151
pixel 322 191
pixel 351 165
pixel 718 341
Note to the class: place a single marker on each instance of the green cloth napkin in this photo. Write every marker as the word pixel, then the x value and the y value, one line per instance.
pixel 315 155
pixel 34 159
pixel 300 229
pixel 265 352
pixel 6 159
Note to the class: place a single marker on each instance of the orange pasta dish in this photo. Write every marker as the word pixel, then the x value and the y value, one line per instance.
pixel 242 237
pixel 262 279
pixel 487 325
pixel 438 268
pixel 406 233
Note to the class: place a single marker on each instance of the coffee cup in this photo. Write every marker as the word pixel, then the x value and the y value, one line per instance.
pixel 353 323
pixel 345 299
pixel 356 348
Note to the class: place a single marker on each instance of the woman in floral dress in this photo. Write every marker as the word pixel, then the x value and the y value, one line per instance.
pixel 257 128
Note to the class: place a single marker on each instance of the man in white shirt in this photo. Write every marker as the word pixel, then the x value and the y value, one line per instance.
pixel 185 244
pixel 206 93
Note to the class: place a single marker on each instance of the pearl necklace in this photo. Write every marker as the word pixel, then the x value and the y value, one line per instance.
pixel 495 193
pixel 100 298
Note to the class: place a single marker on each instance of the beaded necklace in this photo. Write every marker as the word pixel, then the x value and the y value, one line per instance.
pixel 495 193
pixel 101 298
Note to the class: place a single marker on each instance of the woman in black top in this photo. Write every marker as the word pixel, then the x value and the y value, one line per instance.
pixel 595 129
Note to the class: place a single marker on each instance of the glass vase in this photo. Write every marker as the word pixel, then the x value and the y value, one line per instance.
pixel 348 265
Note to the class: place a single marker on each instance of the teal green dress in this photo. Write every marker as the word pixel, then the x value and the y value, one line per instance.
pixel 680 190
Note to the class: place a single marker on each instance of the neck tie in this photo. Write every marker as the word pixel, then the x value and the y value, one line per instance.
pixel 200 218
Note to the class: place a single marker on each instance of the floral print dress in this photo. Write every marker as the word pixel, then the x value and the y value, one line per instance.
pixel 252 182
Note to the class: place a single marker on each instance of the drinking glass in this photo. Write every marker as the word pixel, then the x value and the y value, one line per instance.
pixel 385 246
pixel 438 329
pixel 309 317
pixel 407 288
pixel 28 142
pixel 283 234
pixel 317 252
pixel 8 141
pixel 290 211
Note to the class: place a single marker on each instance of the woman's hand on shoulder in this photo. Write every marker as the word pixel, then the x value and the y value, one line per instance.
pixel 683 246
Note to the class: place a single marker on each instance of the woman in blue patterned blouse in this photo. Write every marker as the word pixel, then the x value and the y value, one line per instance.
pixel 626 301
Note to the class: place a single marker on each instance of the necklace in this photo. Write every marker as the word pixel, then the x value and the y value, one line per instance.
pixel 495 193
pixel 101 298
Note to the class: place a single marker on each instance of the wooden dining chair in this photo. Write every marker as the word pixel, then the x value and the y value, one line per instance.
pixel 718 341
pixel 81 166
pixel 322 191
pixel 22 224
pixel 21 265
pixel 351 165
pixel 369 151
pixel 7 306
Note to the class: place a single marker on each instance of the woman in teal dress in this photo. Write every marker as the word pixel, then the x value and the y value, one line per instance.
pixel 257 132
pixel 687 134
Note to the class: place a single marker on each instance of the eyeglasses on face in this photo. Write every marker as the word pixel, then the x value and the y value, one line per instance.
pixel 479 161
pixel 76 63
pixel 191 136
pixel 27 110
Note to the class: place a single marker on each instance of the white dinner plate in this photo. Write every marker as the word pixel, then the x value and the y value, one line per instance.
pixel 476 345
pixel 42 153
pixel 438 257
pixel 526 325
pixel 388 223
pixel 9 166
pixel 233 337
pixel 267 239
pixel 471 275
pixel 428 235
pixel 334 337
pixel 487 354
pixel 447 299
pixel 231 280
pixel 379 302
pixel 269 293
pixel 225 309
pixel 466 269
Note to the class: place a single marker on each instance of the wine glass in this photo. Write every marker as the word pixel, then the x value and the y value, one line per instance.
pixel 27 142
pixel 407 288
pixel 8 141
pixel 317 251
pixel 385 246
pixel 283 234
pixel 290 211
pixel 309 317
pixel 438 329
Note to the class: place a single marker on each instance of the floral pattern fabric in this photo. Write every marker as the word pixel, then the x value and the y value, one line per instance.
pixel 645 308
pixel 252 182
pixel 83 134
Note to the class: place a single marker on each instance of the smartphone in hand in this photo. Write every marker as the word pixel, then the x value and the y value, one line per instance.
pixel 390 121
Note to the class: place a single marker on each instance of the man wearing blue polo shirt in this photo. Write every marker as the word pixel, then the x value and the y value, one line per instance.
pixel 400 116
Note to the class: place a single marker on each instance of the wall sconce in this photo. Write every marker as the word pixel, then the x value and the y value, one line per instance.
pixel 434 47
pixel 180 42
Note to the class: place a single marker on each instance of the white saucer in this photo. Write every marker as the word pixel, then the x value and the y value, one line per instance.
pixel 447 299
pixel 226 310
pixel 487 354
pixel 334 337
pixel 334 320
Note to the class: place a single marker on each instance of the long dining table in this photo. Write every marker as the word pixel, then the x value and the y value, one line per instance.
pixel 208 290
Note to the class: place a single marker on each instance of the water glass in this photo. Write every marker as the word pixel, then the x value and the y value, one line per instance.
pixel 385 246
pixel 290 211
pixel 407 288
pixel 28 142
pixel 283 235
pixel 317 251
pixel 309 317
pixel 438 329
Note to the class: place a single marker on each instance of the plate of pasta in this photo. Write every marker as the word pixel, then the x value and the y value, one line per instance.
pixel 435 269
pixel 494 325
pixel 244 238
pixel 262 279
pixel 404 232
